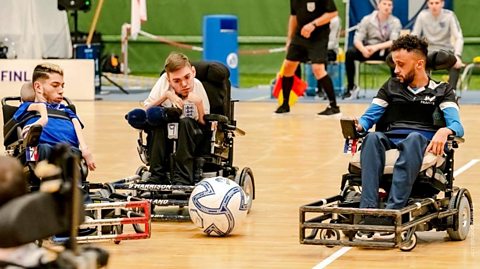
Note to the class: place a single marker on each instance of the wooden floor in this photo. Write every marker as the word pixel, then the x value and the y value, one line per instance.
pixel 296 159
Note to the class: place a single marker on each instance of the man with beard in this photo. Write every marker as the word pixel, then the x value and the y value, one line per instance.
pixel 407 109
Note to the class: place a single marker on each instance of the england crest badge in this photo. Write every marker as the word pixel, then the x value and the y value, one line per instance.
pixel 311 6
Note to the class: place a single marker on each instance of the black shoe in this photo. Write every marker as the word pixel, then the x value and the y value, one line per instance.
pixel 330 111
pixel 351 93
pixel 283 109
pixel 346 95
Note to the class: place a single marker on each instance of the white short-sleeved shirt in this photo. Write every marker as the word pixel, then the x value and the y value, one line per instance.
pixel 162 86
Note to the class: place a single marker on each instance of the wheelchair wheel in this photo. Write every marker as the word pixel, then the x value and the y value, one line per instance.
pixel 409 240
pixel 329 234
pixel 246 181
pixel 462 218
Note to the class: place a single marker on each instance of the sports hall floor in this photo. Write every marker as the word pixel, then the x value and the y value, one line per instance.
pixel 296 159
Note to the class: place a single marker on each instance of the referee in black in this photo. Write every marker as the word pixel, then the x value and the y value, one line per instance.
pixel 307 40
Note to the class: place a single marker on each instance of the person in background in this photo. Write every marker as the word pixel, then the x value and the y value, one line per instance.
pixel 372 41
pixel 440 27
pixel 307 40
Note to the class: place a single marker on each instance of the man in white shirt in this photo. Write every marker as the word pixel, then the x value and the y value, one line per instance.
pixel 440 27
pixel 177 88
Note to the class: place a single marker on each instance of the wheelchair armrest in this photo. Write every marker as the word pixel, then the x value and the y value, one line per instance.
pixel 215 117
pixel 349 130
pixel 455 140
pixel 223 120
pixel 235 129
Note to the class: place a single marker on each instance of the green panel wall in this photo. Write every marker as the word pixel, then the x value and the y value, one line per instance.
pixel 181 20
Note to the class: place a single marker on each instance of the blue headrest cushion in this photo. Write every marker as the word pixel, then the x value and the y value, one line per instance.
pixel 137 118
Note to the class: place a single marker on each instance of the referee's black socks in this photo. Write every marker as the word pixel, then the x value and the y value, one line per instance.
pixel 287 84
pixel 326 84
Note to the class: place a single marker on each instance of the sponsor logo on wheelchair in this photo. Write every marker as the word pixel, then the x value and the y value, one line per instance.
pixel 161 202
pixel 31 154
pixel 150 187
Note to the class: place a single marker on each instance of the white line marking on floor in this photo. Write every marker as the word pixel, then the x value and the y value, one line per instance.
pixel 337 254
pixel 465 167
pixel 332 258
pixel 259 98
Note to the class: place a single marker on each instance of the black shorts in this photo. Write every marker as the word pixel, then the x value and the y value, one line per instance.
pixel 311 51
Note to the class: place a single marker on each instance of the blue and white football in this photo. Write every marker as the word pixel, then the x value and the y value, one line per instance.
pixel 217 205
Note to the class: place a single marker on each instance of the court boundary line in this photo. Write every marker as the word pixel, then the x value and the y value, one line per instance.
pixel 337 254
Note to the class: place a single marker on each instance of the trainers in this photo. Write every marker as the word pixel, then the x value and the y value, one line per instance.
pixel 330 111
pixel 352 93
pixel 283 109
pixel 364 236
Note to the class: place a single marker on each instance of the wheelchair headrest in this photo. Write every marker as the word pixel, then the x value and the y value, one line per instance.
pixel 436 60
pixel 214 72
pixel 215 78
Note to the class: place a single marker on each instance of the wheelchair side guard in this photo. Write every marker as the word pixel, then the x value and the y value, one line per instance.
pixel 110 217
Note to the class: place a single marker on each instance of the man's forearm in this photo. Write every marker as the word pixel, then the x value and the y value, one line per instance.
pixel 325 18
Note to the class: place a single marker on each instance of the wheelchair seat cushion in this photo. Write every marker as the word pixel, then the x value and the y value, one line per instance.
pixel 391 156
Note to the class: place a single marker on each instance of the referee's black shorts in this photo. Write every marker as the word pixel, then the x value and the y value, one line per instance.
pixel 308 50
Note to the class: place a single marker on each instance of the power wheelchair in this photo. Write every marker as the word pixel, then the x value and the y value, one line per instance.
pixel 216 159
pixel 435 203
pixel 107 211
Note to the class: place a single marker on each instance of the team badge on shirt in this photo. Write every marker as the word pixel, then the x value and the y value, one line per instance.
pixel 311 6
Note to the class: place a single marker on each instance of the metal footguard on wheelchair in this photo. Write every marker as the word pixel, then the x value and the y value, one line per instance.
pixel 216 160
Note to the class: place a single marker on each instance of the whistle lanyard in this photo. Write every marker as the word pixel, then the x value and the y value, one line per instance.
pixel 383 29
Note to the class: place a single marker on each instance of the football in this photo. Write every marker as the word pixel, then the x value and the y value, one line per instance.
pixel 217 206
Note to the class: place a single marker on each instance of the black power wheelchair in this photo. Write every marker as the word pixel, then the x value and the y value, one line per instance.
pixel 107 211
pixel 216 159
pixel 435 203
